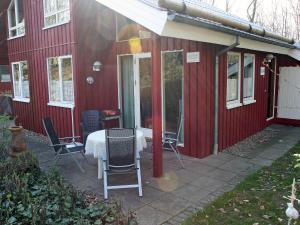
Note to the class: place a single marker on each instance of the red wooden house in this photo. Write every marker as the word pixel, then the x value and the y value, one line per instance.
pixel 158 60
pixel 5 80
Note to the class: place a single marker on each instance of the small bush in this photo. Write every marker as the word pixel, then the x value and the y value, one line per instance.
pixel 4 137
pixel 30 196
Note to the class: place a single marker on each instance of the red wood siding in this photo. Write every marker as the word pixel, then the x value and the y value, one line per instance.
pixel 3 42
pixel 35 47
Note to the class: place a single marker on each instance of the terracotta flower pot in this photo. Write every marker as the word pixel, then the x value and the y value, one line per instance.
pixel 18 142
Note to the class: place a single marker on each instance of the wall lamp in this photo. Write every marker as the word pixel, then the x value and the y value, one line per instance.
pixel 97 66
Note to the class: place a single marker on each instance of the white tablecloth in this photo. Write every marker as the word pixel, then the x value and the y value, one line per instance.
pixel 96 146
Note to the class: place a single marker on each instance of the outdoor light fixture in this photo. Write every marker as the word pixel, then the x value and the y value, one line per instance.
pixel 97 66
pixel 90 80
pixel 269 57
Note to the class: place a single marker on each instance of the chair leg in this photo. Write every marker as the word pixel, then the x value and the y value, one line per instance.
pixel 178 155
pixel 105 181
pixel 78 164
pixel 138 171
pixel 83 155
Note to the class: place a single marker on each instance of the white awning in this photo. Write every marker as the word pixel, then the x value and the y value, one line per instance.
pixel 156 20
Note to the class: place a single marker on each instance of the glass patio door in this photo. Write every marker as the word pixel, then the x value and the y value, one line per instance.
pixel 143 93
pixel 136 92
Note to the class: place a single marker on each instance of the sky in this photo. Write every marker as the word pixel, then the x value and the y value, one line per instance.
pixel 239 7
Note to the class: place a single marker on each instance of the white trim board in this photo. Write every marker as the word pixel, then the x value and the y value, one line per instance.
pixel 139 13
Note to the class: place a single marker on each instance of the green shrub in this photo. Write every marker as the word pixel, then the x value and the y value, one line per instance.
pixel 4 137
pixel 29 196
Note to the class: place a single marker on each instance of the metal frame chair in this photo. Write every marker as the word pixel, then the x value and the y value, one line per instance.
pixel 170 141
pixel 60 146
pixel 121 158
pixel 92 120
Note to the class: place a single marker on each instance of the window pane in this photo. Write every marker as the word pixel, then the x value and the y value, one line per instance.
pixel 16 73
pixel 20 11
pixel 50 20
pixel 12 15
pixel 54 79
pixel 50 6
pixel 4 74
pixel 25 80
pixel 173 91
pixel 63 17
pixel 248 76
pixel 62 4
pixel 233 65
pixel 21 30
pixel 67 80
pixel 127 28
pixel 13 33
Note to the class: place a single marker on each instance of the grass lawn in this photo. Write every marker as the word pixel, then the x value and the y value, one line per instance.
pixel 257 200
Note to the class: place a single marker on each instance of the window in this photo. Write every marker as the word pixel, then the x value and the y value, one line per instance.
pixel 4 74
pixel 233 79
pixel 128 29
pixel 16 25
pixel 60 77
pixel 249 78
pixel 20 74
pixel 56 12
pixel 172 68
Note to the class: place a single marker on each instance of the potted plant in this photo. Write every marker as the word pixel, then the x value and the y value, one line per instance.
pixel 18 142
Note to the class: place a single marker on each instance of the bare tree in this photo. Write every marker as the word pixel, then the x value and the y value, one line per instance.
pixel 295 15
pixel 251 10
pixel 211 2
pixel 228 5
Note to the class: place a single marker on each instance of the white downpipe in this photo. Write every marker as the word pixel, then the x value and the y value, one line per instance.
pixel 72 121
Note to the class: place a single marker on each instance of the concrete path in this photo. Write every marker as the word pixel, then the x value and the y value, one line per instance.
pixel 180 192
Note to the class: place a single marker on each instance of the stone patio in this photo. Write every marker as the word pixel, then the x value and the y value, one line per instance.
pixel 175 196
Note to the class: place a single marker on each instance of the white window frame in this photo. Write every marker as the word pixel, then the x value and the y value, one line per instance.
pixel 56 15
pixel 19 98
pixel 18 25
pixel 249 100
pixel 61 103
pixel 235 103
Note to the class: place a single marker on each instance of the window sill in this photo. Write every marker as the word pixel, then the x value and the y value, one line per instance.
pixel 25 100
pixel 233 105
pixel 56 25
pixel 15 37
pixel 249 101
pixel 62 105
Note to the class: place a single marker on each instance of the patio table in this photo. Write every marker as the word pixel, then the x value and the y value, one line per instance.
pixel 96 146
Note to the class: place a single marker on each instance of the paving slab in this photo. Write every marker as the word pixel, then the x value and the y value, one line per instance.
pixel 170 204
pixel 148 215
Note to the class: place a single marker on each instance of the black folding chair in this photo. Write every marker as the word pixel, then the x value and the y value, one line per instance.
pixel 121 158
pixel 63 146
pixel 92 120
pixel 171 140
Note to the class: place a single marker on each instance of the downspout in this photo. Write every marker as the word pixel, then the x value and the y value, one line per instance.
pixel 216 94
pixel 72 123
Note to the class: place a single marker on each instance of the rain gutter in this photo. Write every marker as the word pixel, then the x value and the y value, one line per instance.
pixel 181 18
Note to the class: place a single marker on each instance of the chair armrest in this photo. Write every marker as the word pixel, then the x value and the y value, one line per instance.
pixel 172 133
pixel 58 145
pixel 65 138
